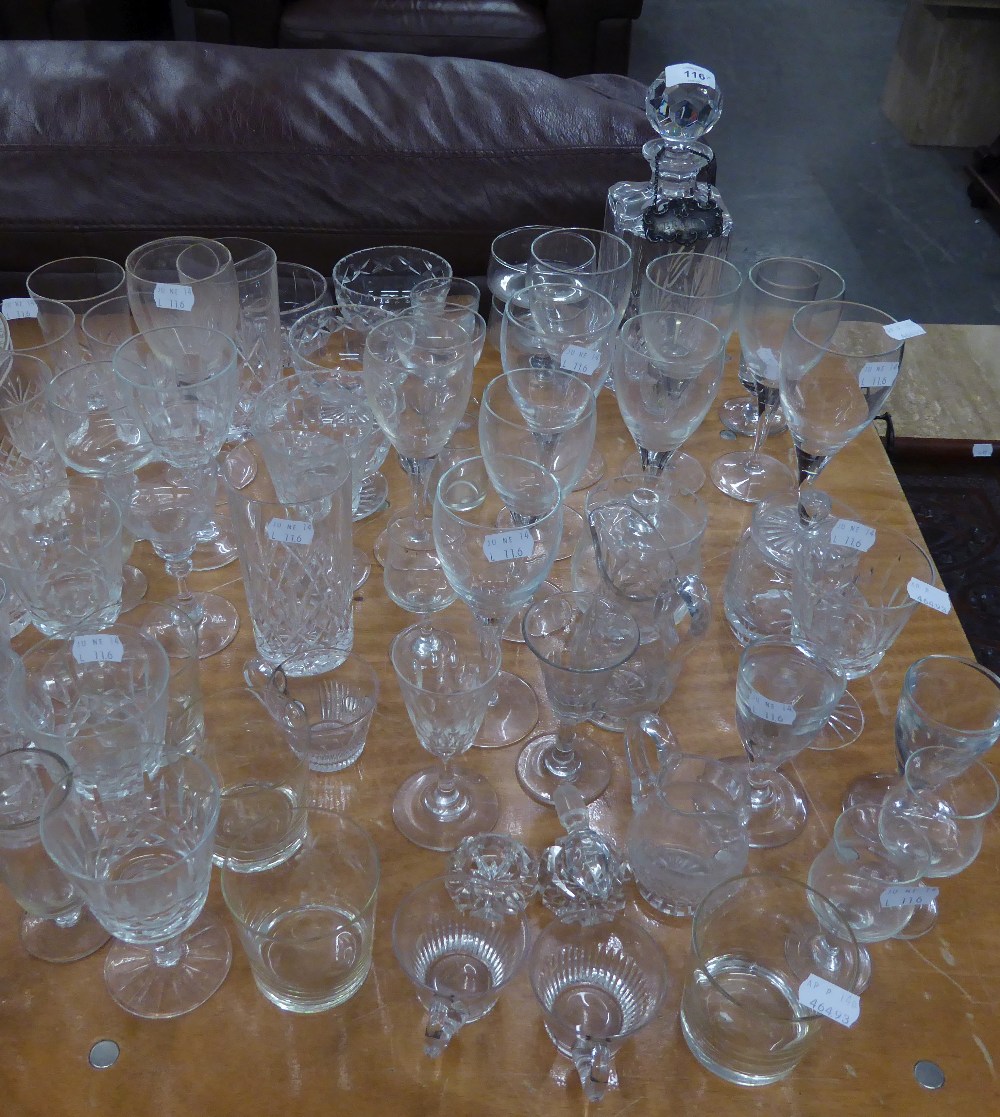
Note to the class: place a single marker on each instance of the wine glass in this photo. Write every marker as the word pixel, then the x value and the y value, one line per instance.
pixel 418 379
pixel 785 692
pixel 458 962
pixel 945 701
pixel 774 290
pixel 579 638
pixel 446 675
pixel 374 284
pixel 667 368
pixel 597 986
pixel 594 259
pixel 56 925
pixel 301 290
pixel 548 416
pixel 497 572
pixel 510 255
pixel 144 864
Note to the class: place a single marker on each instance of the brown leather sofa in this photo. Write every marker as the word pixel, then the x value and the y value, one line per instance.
pixel 107 145
pixel 565 37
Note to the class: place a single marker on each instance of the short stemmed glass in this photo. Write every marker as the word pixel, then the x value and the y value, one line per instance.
pixel 418 379
pixel 548 416
pixel 56 926
pixel 96 435
pixel 597 260
pixel 775 288
pixel 144 863
pixel 181 384
pixel 497 572
pixel 459 962
pixel 667 368
pixel 785 692
pixel 446 676
pixel 510 255
pixel 579 638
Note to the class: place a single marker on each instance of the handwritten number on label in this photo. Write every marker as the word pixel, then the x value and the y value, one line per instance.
pixel 98 649
pixel 289 531
pixel 503 546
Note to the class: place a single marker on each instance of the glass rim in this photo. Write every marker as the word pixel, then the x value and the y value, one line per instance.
pixel 48 754
pixel 329 319
pixel 352 657
pixel 818 305
pixel 937 657
pixel 928 752
pixel 226 364
pixel 266 266
pixel 61 311
pixel 289 269
pixel 425 254
pixel 590 406
pixel 456 466
pixel 519 300
pixel 111 265
pixel 822 269
pixel 188 241
pixel 719 341
pixel 595 598
pixel 515 267
pixel 597 237
pixel 727 267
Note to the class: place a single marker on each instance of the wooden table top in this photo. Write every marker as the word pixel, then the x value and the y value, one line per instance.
pixel 239 1054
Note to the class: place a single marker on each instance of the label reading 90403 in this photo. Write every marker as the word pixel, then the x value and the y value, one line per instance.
pixel 503 546
pixel 289 531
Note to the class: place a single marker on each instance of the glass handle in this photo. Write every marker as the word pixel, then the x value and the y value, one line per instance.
pixel 444 1018
pixel 593 1064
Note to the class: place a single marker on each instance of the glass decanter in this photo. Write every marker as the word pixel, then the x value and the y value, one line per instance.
pixel 674 210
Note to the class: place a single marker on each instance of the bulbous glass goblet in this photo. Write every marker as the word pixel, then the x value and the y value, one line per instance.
pixel 667 368
pixel 446 676
pixel 579 638
pixel 497 572
pixel 56 926
pixel 510 256
pixel 144 863
pixel 592 258
pixel 775 288
pixel 785 692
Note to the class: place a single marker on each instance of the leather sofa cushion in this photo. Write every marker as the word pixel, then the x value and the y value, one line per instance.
pixel 503 30
pixel 106 145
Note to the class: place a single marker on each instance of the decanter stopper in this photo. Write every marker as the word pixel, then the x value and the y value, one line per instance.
pixel 492 876
pixel 582 876
pixel 683 103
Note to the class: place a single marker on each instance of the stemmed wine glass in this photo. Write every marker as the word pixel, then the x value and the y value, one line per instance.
pixel 785 692
pixel 667 368
pixel 579 638
pixel 446 676
pixel 301 290
pixel 496 572
pixel 510 255
pixel 181 384
pixel 774 290
pixel 590 258
pixel 144 861
pixel 418 379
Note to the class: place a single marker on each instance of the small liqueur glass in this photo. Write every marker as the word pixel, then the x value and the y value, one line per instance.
pixel 458 961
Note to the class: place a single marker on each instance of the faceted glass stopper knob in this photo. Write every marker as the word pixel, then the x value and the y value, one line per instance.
pixel 683 103
pixel 582 878
pixel 492 876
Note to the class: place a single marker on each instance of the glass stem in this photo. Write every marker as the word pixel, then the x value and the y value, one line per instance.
pixel 170 952
pixel 180 568
pixel 444 800
pixel 655 461
pixel 562 761
pixel 490 640
pixel 418 470
pixel 767 404
pixel 69 918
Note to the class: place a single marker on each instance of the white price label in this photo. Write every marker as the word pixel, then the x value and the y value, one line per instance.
pixel 289 531
pixel 580 359
pixel 503 546
pixel 928 595
pixel 982 449
pixel 778 713
pixel 878 374
pixel 12 309
pixel 908 896
pixel 686 73
pixel 766 367
pixel 849 533
pixel 173 296
pixel 900 331
pixel 98 649
pixel 830 1000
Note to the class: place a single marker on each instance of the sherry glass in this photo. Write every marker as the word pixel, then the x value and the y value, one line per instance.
pixel 579 639
pixel 590 258
pixel 446 675
pixel 374 284
pixel 79 282
pixel 667 368
pixel 144 865
pixel 774 290
pixel 49 333
pixel 548 416
pixel 458 961
pixel 105 326
pixel 497 572
pixel 96 435
pixel 785 692
pixel 597 986
pixel 418 379
pixel 510 255
pixel 56 925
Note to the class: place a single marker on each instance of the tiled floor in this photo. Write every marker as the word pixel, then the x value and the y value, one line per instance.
pixel 808 164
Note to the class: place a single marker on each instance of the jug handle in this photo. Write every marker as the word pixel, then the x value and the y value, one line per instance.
pixel 644 767
pixel 696 605
pixel 444 1018
pixel 592 1060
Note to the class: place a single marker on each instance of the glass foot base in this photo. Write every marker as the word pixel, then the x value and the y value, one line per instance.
pixel 374 496
pixel 748 480
pixel 220 550
pixel 684 470
pixel 134 587
pixel 535 768
pixel 923 920
pixel 511 714
pixel 593 473
pixel 157 992
pixel 476 812
pixel 778 808
pixel 843 727
pixel 219 623
pixel 868 791
pixel 739 415
pixel 830 958
pixel 514 633
pixel 46 940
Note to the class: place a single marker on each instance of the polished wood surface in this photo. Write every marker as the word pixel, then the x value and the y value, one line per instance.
pixel 238 1054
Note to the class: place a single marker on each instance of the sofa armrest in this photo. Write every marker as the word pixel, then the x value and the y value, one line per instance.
pixel 577 27
pixel 245 23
